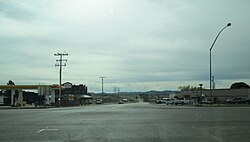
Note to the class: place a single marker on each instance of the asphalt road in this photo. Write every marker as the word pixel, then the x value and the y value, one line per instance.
pixel 140 122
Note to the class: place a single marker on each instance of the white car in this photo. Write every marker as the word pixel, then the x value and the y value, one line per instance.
pixel 98 101
pixel 160 101
pixel 205 101
pixel 168 101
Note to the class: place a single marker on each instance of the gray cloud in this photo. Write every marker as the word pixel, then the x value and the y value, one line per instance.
pixel 137 45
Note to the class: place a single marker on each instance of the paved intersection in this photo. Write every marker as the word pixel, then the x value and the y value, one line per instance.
pixel 126 123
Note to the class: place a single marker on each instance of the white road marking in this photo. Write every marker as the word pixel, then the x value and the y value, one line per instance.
pixel 40 131
pixel 46 129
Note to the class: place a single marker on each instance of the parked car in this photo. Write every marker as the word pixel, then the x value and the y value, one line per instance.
pixel 205 101
pixel 125 100
pixel 248 101
pixel 237 100
pixel 160 101
pixel 98 101
pixel 120 102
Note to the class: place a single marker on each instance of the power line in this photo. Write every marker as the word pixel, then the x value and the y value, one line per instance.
pixel 61 62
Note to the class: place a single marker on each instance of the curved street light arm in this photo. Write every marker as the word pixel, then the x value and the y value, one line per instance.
pixel 229 24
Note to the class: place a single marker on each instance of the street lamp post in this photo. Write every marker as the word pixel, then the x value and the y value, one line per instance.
pixel 210 77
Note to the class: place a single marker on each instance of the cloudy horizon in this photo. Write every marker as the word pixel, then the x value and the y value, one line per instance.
pixel 138 45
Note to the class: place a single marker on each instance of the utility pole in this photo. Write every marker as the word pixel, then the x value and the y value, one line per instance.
pixel 118 91
pixel 60 64
pixel 200 96
pixel 213 83
pixel 102 83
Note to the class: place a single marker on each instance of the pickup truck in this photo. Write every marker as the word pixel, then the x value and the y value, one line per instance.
pixel 237 100
pixel 180 101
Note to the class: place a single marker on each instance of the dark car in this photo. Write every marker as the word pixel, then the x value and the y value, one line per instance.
pixel 237 100
pixel 120 102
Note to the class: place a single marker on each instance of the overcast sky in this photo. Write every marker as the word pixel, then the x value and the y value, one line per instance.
pixel 139 45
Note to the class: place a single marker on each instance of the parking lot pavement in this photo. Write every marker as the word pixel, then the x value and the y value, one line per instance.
pixel 126 122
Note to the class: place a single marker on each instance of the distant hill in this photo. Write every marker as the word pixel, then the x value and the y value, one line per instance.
pixel 152 92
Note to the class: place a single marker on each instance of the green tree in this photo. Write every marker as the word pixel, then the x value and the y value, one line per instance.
pixel 239 85
pixel 10 82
